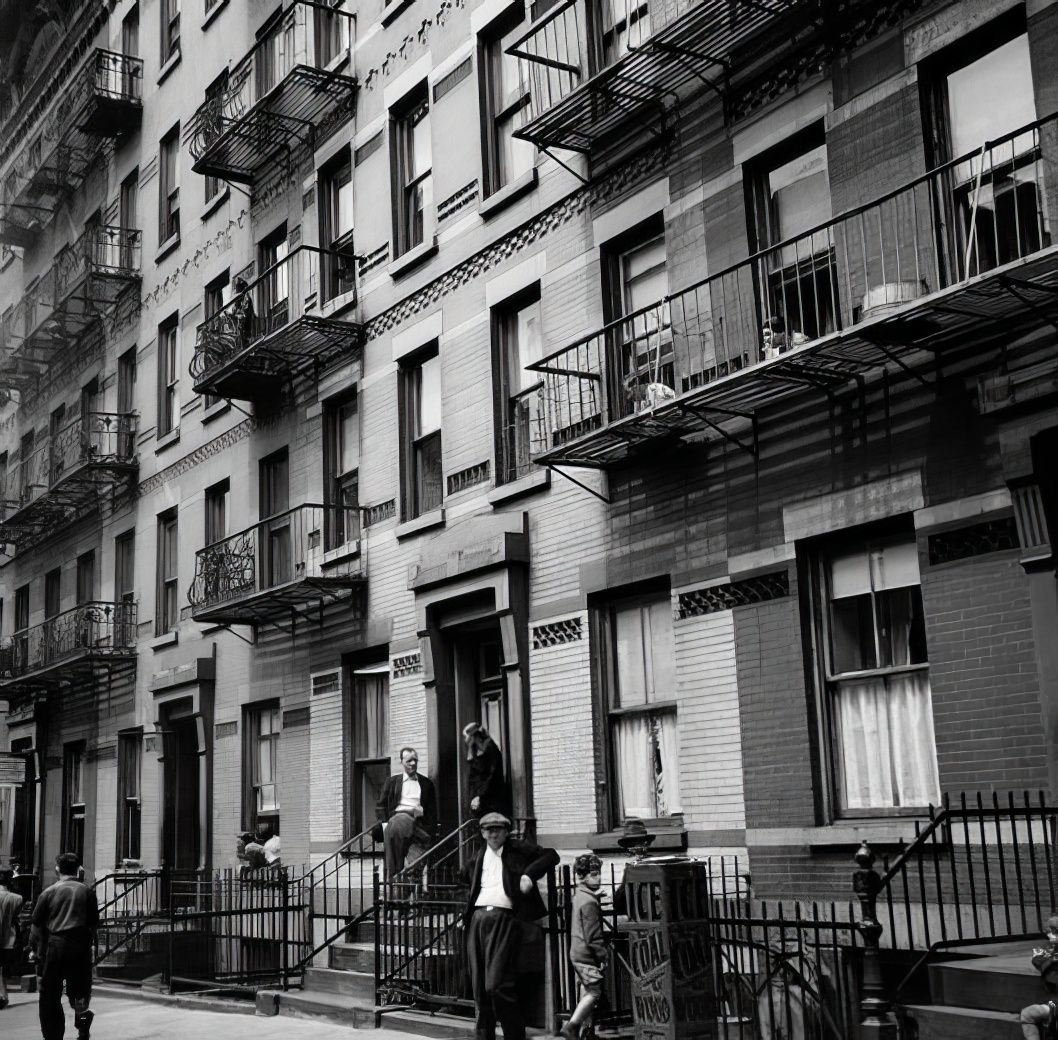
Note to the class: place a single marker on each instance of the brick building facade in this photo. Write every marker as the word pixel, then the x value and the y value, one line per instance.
pixel 689 437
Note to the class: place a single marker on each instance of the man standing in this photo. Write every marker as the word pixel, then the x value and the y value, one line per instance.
pixel 486 783
pixel 503 894
pixel 10 953
pixel 64 923
pixel 408 807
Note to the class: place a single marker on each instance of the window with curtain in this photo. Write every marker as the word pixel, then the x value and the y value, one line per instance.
pixel 639 686
pixel 370 715
pixel 336 225
pixel 73 800
pixel 169 186
pixel 423 483
pixel 170 23
pixel 341 453
pixel 412 168
pixel 130 758
pixel 505 108
pixel 168 375
pixel 877 678
pixel 520 393
pixel 167 607
pixel 261 768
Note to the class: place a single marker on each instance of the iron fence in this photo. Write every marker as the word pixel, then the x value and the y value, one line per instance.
pixel 967 217
pixel 130 903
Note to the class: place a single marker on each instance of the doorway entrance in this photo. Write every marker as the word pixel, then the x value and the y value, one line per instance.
pixel 24 837
pixel 181 822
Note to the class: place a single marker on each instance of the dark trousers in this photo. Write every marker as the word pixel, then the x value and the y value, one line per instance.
pixel 405 840
pixel 493 937
pixel 68 959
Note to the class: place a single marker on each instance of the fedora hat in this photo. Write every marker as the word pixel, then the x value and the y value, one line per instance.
pixel 635 835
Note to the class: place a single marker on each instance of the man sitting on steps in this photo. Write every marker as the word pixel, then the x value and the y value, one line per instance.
pixel 407 811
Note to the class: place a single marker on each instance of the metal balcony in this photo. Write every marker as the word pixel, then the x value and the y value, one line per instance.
pixel 266 335
pixel 278 96
pixel 952 263
pixel 87 282
pixel 63 478
pixel 103 99
pixel 279 566
pixel 69 648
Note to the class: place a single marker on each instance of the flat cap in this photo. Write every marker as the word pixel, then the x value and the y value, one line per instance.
pixel 494 819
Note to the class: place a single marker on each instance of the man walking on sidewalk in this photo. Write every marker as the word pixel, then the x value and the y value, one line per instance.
pixel 64 923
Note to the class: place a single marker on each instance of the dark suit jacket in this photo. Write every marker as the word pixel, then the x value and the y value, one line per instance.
pixel 391 790
pixel 519 857
pixel 485 780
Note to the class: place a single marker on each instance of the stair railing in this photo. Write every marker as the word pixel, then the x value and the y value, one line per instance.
pixel 128 911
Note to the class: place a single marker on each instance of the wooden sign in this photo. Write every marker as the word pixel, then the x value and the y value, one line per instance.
pixel 12 768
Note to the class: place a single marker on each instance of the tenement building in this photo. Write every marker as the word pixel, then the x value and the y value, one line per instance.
pixel 668 386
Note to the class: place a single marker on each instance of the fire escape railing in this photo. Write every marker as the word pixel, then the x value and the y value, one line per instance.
pixel 279 94
pixel 95 629
pixel 942 231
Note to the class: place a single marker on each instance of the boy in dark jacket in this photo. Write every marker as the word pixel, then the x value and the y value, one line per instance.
pixel 1036 1017
pixel 587 947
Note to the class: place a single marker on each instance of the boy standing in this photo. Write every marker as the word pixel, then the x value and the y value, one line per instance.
pixel 10 908
pixel 587 947
pixel 1036 1017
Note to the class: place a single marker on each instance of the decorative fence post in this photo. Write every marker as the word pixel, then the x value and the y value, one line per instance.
pixel 876 1022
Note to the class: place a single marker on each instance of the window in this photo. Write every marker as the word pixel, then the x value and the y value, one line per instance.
pixel 979 91
pixel 56 462
pixel 91 398
pixel 370 716
pixel 505 107
pixel 27 465
pixel 130 32
pixel 421 434
pixel 217 512
pixel 170 19
pixel 260 766
pixel 274 280
pixel 168 376
pixel 130 758
pixel 168 186
pixel 73 795
pixel 52 591
pixel 517 343
pixel 877 704
pixel 341 457
pixel 336 225
pixel 637 673
pixel 635 286
pixel 412 165
pixel 790 189
pixel 622 27
pixel 22 608
pixel 215 94
pixel 127 381
pixel 332 34
pixel 216 290
pixel 128 219
pixel 167 607
pixel 276 536
pixel 86 577
pixel 124 568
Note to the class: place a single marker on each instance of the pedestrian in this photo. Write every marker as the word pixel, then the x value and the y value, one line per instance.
pixel 503 897
pixel 10 909
pixel 487 787
pixel 587 947
pixel 1038 1019
pixel 65 918
pixel 407 809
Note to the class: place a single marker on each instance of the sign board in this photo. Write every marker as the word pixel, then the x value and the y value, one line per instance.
pixel 12 768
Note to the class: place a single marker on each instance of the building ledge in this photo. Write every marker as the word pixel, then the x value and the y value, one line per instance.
pixel 213 204
pixel 167 440
pixel 392 10
pixel 412 258
pixel 215 411
pixel 164 640
pixel 170 64
pixel 212 13
pixel 167 247
pixel 515 489
pixel 434 518
pixel 509 193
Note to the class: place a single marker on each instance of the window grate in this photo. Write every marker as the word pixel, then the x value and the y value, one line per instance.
pixel 407 664
pixel 975 540
pixel 744 593
pixel 469 477
pixel 557 633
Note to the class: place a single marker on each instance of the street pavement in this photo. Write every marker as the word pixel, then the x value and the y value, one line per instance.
pixel 121 1018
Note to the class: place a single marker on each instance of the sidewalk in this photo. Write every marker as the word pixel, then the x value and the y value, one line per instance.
pixel 120 1018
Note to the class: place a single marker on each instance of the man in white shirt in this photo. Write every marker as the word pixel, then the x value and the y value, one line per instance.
pixel 408 807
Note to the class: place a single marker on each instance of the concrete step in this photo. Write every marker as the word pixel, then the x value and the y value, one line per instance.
pixel 1006 982
pixel 959 1023
pixel 333 1007
pixel 360 956
pixel 445 1026
pixel 358 984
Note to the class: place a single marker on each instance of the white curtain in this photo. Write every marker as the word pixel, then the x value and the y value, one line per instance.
pixel 886 755
pixel 635 769
pixel 669 752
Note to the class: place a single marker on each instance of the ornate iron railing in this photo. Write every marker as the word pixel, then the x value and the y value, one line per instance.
pixel 277 551
pixel 104 250
pixel 96 629
pixel 118 77
pixel 943 229
pixel 272 302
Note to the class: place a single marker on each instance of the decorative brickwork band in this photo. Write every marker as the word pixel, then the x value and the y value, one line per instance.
pixel 975 540
pixel 466 196
pixel 225 729
pixel 383 511
pixel 374 259
pixel 465 478
pixel 555 633
pixel 734 594
pixel 407 664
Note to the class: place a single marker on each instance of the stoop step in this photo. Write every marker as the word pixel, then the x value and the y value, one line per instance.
pixel 1006 982
pixel 445 1027
pixel 334 1007
pixel 960 1023
pixel 358 985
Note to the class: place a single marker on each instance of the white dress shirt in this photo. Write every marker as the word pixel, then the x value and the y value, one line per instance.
pixel 492 891
pixel 410 795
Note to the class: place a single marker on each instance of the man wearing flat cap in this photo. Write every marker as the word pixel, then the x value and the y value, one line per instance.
pixel 503 894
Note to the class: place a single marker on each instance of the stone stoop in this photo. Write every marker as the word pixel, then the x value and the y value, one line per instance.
pixel 979 997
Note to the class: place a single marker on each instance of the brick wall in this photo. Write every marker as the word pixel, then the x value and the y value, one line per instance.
pixel 105 801
pixel 327 779
pixel 295 792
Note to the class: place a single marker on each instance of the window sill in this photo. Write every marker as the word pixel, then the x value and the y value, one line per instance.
pixel 167 440
pixel 212 13
pixel 850 833
pixel 528 485
pixel 434 518
pixel 164 640
pixel 392 10
pixel 349 551
pixel 213 204
pixel 215 411
pixel 170 64
pixel 501 199
pixel 337 303
pixel 412 258
pixel 167 247
pixel 670 835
